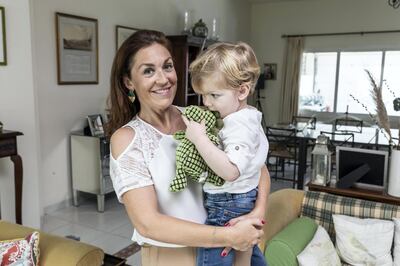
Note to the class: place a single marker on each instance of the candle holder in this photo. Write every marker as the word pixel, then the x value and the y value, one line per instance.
pixel 215 29
pixel 187 22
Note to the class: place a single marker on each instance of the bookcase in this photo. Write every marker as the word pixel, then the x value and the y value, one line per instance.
pixel 185 49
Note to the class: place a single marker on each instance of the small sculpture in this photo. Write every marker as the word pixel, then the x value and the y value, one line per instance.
pixel 200 29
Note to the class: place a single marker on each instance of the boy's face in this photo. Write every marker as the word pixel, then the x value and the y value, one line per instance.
pixel 217 96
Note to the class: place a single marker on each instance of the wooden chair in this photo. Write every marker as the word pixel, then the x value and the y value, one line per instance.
pixel 283 147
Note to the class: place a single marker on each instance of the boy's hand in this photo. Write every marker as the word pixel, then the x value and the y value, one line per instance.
pixel 195 132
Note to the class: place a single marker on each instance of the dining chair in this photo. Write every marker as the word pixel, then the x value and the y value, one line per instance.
pixel 307 121
pixel 338 139
pixel 282 147
pixel 348 125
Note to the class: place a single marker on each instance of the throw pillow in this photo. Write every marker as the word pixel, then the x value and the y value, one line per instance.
pixel 283 248
pixel 396 250
pixel 320 251
pixel 23 251
pixel 364 241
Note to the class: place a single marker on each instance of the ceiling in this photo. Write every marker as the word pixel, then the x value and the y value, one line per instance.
pixel 272 1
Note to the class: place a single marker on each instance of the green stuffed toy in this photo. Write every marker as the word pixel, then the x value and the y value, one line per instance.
pixel 189 163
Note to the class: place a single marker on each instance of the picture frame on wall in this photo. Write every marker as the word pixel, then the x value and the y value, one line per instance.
pixel 270 71
pixel 122 33
pixel 96 125
pixel 77 49
pixel 3 44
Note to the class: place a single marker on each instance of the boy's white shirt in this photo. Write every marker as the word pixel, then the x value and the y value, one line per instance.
pixel 246 146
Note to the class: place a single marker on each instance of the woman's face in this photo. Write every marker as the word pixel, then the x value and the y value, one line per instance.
pixel 153 77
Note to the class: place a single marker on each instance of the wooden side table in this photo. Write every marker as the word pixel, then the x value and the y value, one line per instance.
pixel 8 148
pixel 378 195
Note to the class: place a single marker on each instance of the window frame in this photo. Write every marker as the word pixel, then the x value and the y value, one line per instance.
pixel 334 113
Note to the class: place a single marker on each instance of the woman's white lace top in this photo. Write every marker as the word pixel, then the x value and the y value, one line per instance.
pixel 150 160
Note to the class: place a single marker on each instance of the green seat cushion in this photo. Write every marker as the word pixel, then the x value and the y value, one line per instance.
pixel 283 248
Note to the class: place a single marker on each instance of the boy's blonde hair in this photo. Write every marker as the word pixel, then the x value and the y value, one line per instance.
pixel 236 62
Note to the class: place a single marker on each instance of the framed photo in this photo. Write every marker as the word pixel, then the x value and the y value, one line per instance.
pixel 270 71
pixel 122 33
pixel 3 46
pixel 96 125
pixel 77 50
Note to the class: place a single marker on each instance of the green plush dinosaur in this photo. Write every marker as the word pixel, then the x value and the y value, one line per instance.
pixel 189 163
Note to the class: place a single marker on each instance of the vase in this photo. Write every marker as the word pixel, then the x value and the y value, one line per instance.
pixel 394 174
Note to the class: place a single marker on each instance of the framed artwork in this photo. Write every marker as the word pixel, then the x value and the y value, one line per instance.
pixel 96 125
pixel 77 49
pixel 3 47
pixel 122 33
pixel 270 71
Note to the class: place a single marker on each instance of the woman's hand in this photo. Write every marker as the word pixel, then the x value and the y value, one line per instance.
pixel 246 233
pixel 258 212
pixel 255 213
pixel 195 132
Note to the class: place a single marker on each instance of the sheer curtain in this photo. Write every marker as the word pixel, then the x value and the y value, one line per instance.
pixel 291 78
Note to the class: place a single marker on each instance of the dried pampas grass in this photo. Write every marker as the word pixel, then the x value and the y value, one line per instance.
pixel 381 113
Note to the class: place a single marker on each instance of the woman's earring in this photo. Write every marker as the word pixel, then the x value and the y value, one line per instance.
pixel 131 95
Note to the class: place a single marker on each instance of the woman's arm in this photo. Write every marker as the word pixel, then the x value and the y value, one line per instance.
pixel 261 202
pixel 141 206
pixel 260 207
pixel 264 187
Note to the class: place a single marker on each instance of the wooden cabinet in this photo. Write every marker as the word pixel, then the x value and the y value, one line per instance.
pixel 185 50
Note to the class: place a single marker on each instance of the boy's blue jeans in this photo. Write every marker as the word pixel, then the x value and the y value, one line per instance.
pixel 221 208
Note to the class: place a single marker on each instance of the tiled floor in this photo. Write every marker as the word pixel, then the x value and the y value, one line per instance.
pixel 110 230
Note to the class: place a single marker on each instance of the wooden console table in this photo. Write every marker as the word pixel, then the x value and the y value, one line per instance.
pixel 359 193
pixel 8 148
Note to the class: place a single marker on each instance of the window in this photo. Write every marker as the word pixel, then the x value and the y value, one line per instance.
pixel 353 80
pixel 391 80
pixel 328 79
pixel 317 83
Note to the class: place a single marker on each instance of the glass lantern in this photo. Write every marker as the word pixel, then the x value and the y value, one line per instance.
pixel 321 173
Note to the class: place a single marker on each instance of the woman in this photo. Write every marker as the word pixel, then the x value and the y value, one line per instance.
pixel 143 160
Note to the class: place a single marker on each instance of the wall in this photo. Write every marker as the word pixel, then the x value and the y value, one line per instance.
pixel 271 20
pixel 18 111
pixel 64 108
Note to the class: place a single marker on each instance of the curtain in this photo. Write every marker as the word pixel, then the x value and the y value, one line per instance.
pixel 291 78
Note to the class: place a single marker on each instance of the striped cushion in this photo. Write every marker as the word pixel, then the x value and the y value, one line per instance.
pixel 320 206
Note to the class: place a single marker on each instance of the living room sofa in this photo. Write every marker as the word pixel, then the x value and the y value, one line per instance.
pixel 293 216
pixel 55 250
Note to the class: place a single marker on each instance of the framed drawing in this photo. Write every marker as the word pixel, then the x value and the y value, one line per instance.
pixel 96 125
pixel 270 71
pixel 77 50
pixel 3 47
pixel 122 33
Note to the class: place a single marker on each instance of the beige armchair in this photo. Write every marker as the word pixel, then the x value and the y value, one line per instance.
pixel 55 250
